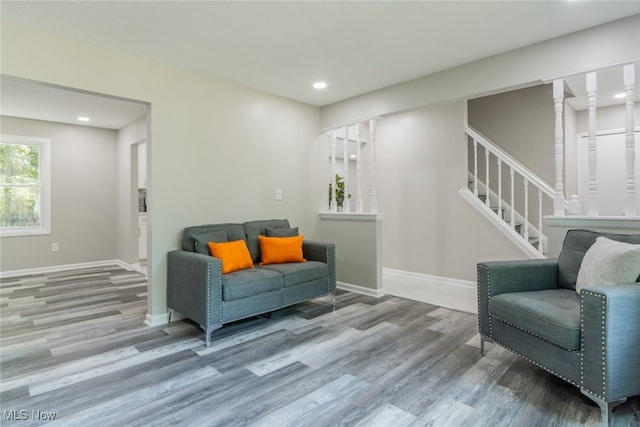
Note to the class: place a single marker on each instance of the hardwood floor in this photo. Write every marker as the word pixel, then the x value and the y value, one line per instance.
pixel 75 351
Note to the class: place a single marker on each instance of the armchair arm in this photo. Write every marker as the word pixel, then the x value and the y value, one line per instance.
pixel 194 286
pixel 323 252
pixel 610 354
pixel 499 277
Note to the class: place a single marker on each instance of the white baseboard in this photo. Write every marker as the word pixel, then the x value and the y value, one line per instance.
pixel 441 291
pixel 159 319
pixel 55 268
pixel 377 293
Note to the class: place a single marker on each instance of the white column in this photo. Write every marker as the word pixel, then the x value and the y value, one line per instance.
pixel 558 99
pixel 540 236
pixel 345 170
pixel 512 220
pixel 373 203
pixel 630 200
pixel 500 188
pixel 526 209
pixel 487 200
pixel 359 205
pixel 333 206
pixel 592 196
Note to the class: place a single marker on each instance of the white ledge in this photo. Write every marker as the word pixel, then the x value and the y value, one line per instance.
pixel 632 222
pixel 352 216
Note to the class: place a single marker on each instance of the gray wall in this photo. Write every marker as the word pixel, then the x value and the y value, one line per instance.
pixel 522 123
pixel 83 191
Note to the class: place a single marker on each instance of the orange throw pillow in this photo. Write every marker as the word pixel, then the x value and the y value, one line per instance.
pixel 234 255
pixel 278 250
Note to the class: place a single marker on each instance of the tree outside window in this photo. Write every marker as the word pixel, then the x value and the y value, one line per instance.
pixel 24 184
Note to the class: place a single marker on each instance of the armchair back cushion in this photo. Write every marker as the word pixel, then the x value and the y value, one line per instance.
pixel 576 243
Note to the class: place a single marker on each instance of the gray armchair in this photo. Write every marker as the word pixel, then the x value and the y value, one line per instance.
pixel 591 339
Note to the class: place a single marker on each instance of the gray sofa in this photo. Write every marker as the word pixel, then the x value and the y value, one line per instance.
pixel 197 289
pixel 591 339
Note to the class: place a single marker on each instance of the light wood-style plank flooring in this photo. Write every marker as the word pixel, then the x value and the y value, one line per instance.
pixel 75 352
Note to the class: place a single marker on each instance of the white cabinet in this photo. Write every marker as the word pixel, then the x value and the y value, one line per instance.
pixel 142 236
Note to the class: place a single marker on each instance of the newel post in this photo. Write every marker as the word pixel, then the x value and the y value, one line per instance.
pixel 558 98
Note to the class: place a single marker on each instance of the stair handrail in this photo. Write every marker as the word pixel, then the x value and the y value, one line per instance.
pixel 511 162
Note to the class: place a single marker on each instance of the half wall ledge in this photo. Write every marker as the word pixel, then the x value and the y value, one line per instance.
pixel 576 221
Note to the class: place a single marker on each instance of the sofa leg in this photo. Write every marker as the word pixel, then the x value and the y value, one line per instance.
pixel 482 340
pixel 207 333
pixel 170 314
pixel 606 408
pixel 333 301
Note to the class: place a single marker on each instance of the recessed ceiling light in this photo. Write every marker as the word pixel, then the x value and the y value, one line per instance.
pixel 319 85
pixel 84 119
pixel 619 95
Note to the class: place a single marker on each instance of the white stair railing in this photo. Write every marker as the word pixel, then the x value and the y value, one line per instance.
pixel 517 220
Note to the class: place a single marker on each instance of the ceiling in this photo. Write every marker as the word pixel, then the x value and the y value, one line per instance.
pixel 282 47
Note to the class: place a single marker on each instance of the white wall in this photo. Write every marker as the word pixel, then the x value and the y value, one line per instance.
pixel 612 43
pixel 217 151
pixel 427 226
pixel 83 187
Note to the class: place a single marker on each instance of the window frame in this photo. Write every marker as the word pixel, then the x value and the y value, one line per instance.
pixel 44 185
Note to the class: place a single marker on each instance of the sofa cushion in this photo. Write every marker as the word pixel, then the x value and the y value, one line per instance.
pixel 246 283
pixel 253 229
pixel 233 231
pixel 296 273
pixel 576 244
pixel 234 255
pixel 553 314
pixel 608 262
pixel 201 241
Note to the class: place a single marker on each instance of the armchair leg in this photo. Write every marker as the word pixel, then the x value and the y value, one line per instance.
pixel 606 408
pixel 333 303
pixel 170 314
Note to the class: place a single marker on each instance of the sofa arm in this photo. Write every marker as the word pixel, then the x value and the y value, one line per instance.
pixel 194 286
pixel 610 353
pixel 499 277
pixel 323 252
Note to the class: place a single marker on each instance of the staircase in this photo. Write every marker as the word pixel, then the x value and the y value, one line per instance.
pixel 507 194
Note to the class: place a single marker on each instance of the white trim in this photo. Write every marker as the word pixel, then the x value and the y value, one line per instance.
pixel 511 234
pixel 377 293
pixel 55 268
pixel 44 184
pixel 352 216
pixel 593 221
pixel 445 292
pixel 159 319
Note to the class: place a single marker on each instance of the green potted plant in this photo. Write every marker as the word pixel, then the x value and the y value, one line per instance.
pixel 340 192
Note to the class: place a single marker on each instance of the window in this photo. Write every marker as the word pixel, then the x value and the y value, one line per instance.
pixel 25 186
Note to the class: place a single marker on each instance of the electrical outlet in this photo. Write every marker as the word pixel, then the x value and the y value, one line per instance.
pixel 55 247
pixel 278 194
